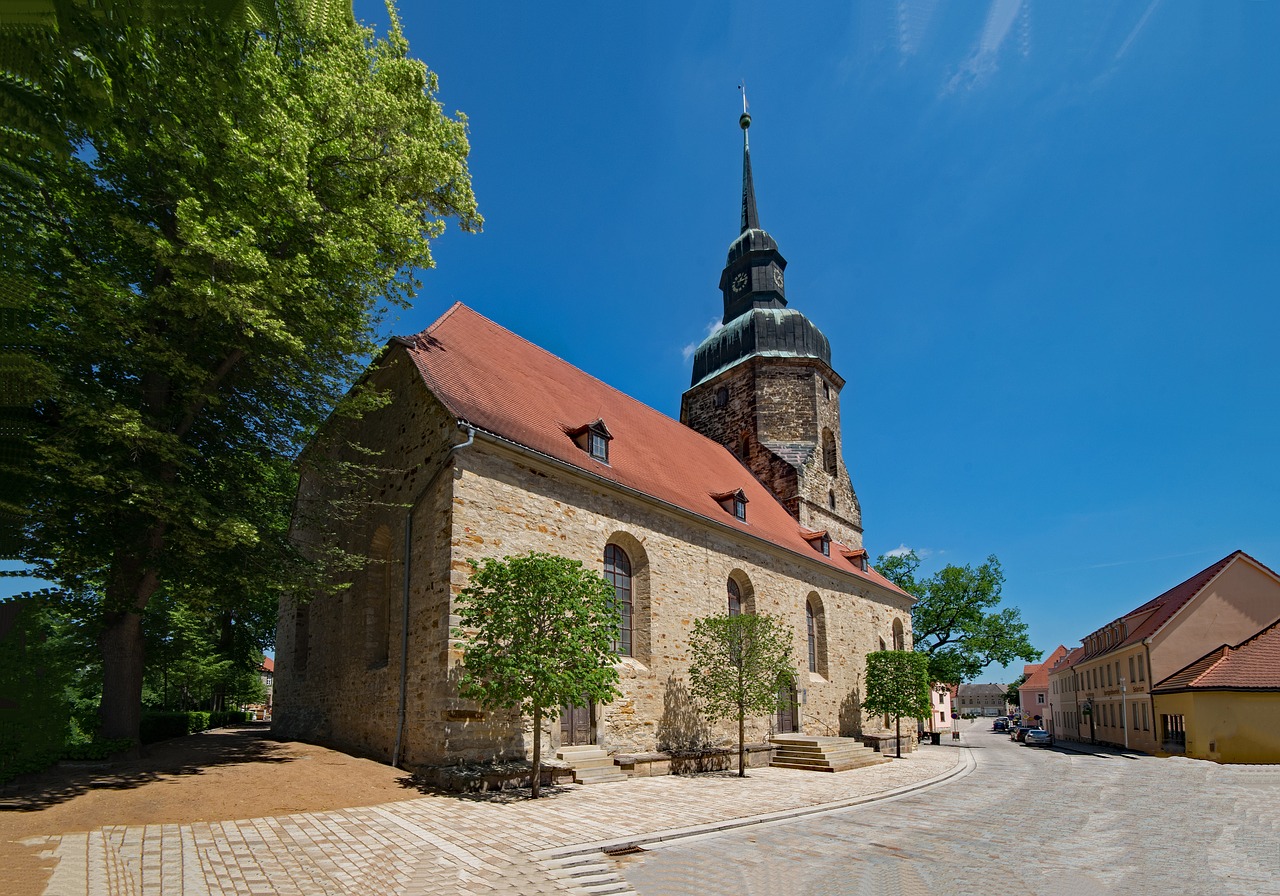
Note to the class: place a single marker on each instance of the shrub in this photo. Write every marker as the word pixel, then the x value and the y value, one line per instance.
pixel 158 726
pixel 97 749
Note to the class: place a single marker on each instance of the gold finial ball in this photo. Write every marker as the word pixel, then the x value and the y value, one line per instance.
pixel 744 121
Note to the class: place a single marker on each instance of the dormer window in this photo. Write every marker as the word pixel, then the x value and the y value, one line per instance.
pixel 734 502
pixel 820 540
pixel 858 558
pixel 599 446
pixel 593 438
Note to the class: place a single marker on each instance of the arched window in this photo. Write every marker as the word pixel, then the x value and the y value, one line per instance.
pixel 617 570
pixel 735 598
pixel 828 452
pixel 815 623
pixel 812 637
pixel 831 498
pixel 899 640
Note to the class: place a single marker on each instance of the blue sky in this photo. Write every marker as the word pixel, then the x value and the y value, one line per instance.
pixel 1043 239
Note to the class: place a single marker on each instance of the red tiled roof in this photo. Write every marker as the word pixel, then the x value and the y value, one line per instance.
pixel 1253 664
pixel 268 664
pixel 1038 680
pixel 1160 609
pixel 492 379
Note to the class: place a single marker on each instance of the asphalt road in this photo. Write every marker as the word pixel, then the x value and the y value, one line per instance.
pixel 1026 820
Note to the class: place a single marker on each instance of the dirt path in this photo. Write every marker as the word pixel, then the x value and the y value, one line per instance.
pixel 218 775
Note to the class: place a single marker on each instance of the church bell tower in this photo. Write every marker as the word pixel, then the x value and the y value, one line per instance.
pixel 763 385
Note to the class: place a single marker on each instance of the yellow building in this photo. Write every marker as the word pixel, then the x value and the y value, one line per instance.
pixel 1101 693
pixel 1226 705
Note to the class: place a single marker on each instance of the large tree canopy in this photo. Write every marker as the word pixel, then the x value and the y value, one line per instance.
pixel 955 621
pixel 208 268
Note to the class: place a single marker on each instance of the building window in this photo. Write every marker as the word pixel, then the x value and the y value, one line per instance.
pixel 826 390
pixel 735 598
pixel 831 499
pixel 1142 672
pixel 1110 682
pixel 899 636
pixel 617 570
pixel 1174 739
pixel 1131 678
pixel 812 636
pixel 722 397
pixel 824 545
pixel 1144 717
pixel 828 452
pixel 599 447
pixel 740 507
pixel 1040 699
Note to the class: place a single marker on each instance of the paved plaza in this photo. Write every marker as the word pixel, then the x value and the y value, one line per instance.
pixel 440 844
pixel 978 818
pixel 1027 820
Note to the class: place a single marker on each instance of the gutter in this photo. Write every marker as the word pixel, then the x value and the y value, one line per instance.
pixel 401 709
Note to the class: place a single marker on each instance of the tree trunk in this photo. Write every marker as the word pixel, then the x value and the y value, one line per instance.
pixel 122 655
pixel 742 744
pixel 537 751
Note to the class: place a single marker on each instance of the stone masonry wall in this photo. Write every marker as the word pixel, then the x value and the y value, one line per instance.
pixel 506 503
pixel 347 693
pixel 776 413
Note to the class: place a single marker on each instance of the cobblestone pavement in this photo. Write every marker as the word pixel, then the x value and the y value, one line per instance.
pixel 1027 820
pixel 452 845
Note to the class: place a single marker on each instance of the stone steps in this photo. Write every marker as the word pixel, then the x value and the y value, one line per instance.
pixel 822 754
pixel 591 765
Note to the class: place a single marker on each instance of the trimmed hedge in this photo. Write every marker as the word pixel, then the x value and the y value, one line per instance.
pixel 164 725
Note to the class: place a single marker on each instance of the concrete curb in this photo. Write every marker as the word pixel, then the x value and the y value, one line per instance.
pixel 965 766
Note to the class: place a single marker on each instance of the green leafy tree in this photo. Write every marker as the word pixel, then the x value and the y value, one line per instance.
pixel 1011 696
pixel 897 685
pixel 208 268
pixel 955 621
pixel 539 632
pixel 739 664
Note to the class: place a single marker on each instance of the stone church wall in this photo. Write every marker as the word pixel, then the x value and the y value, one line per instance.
pixel 340 683
pixel 507 503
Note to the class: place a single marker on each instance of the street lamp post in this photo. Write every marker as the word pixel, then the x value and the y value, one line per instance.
pixel 1124 714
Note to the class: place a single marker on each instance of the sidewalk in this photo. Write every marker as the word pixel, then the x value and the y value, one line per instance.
pixel 439 844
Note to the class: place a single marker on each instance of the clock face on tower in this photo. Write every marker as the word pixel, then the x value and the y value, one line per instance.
pixel 740 282
pixel 777 277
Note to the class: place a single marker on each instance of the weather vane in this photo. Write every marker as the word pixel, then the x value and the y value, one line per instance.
pixel 744 120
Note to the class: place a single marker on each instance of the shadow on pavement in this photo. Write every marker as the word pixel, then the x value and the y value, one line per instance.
pixel 190 755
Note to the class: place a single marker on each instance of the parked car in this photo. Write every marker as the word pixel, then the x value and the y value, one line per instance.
pixel 1019 733
pixel 1038 737
pixel 1000 725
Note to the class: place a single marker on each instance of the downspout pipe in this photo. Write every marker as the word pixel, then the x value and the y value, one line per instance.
pixel 401 711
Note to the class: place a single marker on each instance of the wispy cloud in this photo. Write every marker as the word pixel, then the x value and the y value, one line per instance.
pixel 982 62
pixel 692 347
pixel 1133 35
pixel 1145 559
pixel 903 549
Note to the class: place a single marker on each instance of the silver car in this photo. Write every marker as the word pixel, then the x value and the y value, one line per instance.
pixel 1038 737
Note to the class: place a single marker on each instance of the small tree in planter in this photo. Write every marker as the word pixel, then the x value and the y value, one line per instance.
pixel 897 685
pixel 540 631
pixel 737 662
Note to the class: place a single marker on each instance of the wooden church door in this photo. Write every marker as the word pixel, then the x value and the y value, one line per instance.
pixel 577 725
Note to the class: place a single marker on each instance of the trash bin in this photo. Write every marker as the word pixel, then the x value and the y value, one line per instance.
pixel 935 738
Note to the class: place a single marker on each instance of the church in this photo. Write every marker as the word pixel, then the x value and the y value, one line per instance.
pixel 491 446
